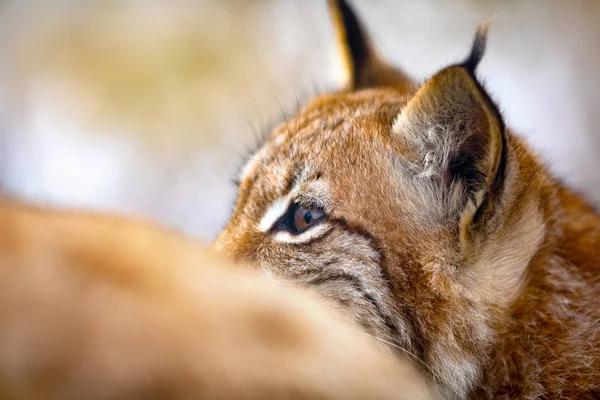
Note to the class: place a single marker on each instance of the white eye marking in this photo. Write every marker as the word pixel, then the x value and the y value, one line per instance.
pixel 303 237
pixel 275 211
pixel 279 207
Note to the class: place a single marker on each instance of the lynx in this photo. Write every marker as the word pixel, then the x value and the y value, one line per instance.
pixel 99 307
pixel 418 214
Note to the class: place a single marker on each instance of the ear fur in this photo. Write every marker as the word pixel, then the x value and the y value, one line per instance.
pixel 362 65
pixel 456 133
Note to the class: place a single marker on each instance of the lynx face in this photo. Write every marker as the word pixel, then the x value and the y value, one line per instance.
pixel 409 206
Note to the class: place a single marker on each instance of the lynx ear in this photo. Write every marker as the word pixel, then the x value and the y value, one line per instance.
pixel 456 132
pixel 362 65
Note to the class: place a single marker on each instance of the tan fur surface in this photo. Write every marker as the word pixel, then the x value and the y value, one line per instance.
pixel 95 307
pixel 445 235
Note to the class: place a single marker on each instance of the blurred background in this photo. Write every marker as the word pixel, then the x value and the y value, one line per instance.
pixel 146 107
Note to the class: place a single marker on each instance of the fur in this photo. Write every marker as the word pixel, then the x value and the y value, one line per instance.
pixel 99 307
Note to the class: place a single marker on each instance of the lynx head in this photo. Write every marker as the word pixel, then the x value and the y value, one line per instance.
pixel 408 205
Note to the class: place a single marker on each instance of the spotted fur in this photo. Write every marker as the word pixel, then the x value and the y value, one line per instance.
pixel 445 237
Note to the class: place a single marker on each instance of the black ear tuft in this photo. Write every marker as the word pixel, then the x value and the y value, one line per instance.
pixel 478 47
pixel 356 38
pixel 363 67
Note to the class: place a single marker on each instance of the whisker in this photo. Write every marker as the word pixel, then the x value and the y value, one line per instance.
pixel 282 112
pixel 257 160
pixel 297 101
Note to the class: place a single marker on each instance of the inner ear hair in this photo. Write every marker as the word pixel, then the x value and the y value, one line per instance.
pixel 457 136
pixel 361 62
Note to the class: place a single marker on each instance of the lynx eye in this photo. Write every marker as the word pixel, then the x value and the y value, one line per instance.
pixel 299 218
pixel 304 218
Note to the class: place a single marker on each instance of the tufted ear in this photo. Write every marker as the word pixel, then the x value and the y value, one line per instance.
pixel 362 65
pixel 456 133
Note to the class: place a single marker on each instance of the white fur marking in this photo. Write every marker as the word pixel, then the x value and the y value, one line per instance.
pixel 248 168
pixel 303 237
pixel 275 211
pixel 252 163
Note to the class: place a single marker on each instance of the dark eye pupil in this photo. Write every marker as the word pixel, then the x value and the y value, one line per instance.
pixel 308 217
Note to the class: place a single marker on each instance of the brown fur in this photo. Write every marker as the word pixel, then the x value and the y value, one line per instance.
pixel 445 235
pixel 95 307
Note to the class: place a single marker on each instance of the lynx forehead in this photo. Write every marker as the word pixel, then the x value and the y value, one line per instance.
pixel 422 218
